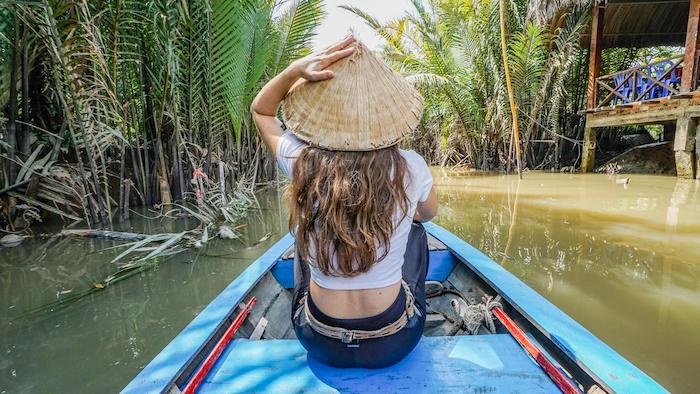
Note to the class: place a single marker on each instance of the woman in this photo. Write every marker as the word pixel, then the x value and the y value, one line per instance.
pixel 360 266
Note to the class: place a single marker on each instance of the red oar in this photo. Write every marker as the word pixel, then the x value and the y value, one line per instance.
pixel 205 367
pixel 561 380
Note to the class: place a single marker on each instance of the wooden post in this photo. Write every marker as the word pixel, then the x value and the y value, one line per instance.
pixel 689 80
pixel 589 145
pixel 166 199
pixel 697 154
pixel 684 147
pixel 596 48
pixel 127 192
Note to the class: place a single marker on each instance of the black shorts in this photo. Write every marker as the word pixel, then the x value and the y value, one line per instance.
pixel 374 352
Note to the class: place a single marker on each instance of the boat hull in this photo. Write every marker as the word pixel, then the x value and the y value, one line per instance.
pixel 485 360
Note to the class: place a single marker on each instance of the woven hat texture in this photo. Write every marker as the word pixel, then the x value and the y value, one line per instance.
pixel 365 106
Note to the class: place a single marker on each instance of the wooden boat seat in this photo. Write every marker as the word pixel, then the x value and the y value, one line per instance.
pixel 461 364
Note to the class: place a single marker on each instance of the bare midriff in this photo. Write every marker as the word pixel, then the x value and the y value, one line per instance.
pixel 353 304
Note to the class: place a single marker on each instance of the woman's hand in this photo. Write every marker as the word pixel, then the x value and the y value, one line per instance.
pixel 313 67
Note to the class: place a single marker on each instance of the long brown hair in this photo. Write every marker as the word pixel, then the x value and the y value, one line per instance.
pixel 343 204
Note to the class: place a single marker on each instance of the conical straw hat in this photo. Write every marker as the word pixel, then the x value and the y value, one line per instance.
pixel 366 106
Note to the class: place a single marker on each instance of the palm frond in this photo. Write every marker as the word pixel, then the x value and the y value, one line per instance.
pixel 240 54
pixel 295 30
pixel 428 81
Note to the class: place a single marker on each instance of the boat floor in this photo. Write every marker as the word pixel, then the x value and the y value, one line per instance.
pixel 455 364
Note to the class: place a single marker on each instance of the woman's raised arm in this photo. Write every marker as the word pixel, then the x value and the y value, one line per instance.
pixel 312 68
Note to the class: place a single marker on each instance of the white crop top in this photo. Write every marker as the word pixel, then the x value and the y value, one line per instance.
pixel 387 271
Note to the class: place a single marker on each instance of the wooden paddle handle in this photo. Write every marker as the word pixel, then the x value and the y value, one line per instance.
pixel 205 367
pixel 562 381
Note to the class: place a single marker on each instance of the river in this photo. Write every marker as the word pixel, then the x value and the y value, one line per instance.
pixel 622 259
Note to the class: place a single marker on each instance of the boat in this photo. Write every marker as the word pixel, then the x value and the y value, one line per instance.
pixel 243 341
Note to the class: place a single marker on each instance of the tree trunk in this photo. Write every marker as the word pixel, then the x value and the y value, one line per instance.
pixel 125 207
pixel 166 199
pixel 511 98
pixel 122 170
pixel 12 111
pixel 149 125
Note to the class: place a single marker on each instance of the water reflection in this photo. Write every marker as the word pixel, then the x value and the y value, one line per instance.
pixel 624 262
pixel 101 342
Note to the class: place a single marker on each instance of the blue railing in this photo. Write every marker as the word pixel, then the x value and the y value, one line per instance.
pixel 642 83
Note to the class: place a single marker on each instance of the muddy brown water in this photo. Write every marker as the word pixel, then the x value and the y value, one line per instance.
pixel 622 260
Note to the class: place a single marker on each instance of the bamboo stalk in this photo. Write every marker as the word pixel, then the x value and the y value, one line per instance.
pixel 510 154
pixel 182 185
pixel 166 198
pixel 24 140
pixel 511 98
pixel 93 165
pixel 138 172
pixel 12 108
pixel 149 124
pixel 61 78
pixel 122 171
pixel 208 95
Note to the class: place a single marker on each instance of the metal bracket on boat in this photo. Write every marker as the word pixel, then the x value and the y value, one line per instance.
pixel 259 330
pixel 347 336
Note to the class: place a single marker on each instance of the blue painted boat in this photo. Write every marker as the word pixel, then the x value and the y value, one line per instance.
pixel 273 361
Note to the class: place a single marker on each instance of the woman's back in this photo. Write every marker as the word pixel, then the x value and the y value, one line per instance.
pixel 361 260
pixel 367 293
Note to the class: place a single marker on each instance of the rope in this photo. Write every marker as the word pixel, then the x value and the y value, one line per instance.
pixel 470 314
pixel 477 314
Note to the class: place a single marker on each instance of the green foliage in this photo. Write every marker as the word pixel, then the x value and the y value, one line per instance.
pixel 6 35
pixel 294 32
pixel 147 91
pixel 241 52
pixel 450 49
pixel 527 57
pixel 251 44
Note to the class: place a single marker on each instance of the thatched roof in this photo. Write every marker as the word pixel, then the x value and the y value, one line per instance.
pixel 643 23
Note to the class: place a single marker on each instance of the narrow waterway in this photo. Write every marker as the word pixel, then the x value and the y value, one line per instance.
pixel 624 260
pixel 101 342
